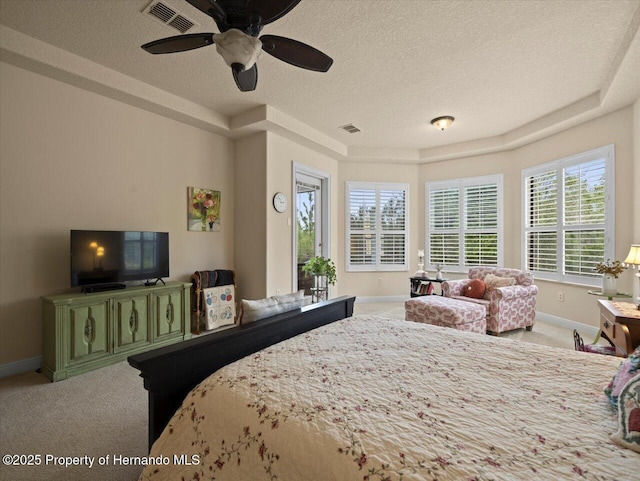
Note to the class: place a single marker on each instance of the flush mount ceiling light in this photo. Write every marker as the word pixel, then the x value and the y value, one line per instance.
pixel 442 122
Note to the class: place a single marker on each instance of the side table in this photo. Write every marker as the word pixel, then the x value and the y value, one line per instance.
pixel 423 286
pixel 620 325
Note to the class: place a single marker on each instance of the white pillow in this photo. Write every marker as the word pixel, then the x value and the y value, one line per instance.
pixel 261 308
pixel 258 309
pixel 289 302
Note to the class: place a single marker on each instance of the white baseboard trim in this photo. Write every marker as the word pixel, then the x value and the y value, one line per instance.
pixel 368 299
pixel 18 367
pixel 584 329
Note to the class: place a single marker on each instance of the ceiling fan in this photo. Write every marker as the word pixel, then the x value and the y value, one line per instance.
pixel 240 23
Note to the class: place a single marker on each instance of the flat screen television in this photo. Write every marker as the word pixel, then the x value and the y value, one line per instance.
pixel 102 260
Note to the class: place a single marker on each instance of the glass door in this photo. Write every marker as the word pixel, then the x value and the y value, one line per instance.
pixel 309 225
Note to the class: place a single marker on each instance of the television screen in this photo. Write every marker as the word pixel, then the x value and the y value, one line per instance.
pixel 106 257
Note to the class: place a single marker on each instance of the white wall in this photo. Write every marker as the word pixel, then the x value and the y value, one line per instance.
pixel 72 159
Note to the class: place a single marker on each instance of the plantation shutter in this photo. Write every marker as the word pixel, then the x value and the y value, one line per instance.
pixel 377 226
pixel 392 226
pixel 362 227
pixel 584 217
pixel 464 222
pixel 481 225
pixel 569 214
pixel 444 226
pixel 541 222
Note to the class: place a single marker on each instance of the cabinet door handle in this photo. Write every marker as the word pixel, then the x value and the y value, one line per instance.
pixel 606 324
pixel 89 327
pixel 133 317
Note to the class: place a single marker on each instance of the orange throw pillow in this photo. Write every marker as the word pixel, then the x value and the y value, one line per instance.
pixel 474 288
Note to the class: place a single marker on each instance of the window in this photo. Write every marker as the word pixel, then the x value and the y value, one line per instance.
pixel 569 216
pixel 377 226
pixel 464 222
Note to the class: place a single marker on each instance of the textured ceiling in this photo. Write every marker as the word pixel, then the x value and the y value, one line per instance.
pixel 506 70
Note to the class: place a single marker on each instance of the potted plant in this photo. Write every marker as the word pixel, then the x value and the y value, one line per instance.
pixel 320 266
pixel 324 272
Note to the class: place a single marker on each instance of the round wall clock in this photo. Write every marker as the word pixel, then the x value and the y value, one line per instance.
pixel 280 202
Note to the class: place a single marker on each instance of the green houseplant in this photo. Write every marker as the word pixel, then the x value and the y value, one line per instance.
pixel 320 266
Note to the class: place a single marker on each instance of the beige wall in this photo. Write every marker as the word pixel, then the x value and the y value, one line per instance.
pixel 250 217
pixel 379 283
pixel 615 128
pixel 636 171
pixel 636 188
pixel 282 153
pixel 72 159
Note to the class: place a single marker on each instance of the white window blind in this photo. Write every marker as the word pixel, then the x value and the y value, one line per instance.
pixel 377 226
pixel 464 222
pixel 568 216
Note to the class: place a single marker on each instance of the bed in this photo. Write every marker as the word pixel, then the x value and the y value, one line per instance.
pixel 371 398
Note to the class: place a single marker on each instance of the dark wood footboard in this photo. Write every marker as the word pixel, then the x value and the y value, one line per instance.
pixel 170 372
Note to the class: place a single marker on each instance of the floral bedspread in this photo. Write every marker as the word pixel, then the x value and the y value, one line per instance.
pixel 368 398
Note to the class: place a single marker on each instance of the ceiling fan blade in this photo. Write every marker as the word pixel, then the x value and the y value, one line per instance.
pixel 209 7
pixel 247 80
pixel 296 53
pixel 270 10
pixel 179 43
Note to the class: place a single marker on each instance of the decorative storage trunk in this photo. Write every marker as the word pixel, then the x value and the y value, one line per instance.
pixel 82 332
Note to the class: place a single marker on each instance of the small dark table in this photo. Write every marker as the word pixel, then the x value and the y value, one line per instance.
pixel 423 286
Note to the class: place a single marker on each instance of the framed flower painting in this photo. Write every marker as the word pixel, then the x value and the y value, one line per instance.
pixel 203 207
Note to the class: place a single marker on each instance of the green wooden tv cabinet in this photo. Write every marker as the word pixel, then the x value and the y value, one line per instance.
pixel 82 332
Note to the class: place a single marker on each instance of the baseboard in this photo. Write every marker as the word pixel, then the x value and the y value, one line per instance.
pixel 18 367
pixel 584 329
pixel 368 299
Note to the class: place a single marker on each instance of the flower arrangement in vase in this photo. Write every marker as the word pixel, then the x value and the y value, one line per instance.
pixel 610 271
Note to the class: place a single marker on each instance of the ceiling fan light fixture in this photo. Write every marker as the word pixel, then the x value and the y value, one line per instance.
pixel 236 47
pixel 442 122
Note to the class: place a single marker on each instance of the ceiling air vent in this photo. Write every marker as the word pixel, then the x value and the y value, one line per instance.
pixel 352 129
pixel 169 16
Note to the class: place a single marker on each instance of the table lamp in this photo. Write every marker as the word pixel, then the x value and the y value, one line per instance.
pixel 420 272
pixel 633 259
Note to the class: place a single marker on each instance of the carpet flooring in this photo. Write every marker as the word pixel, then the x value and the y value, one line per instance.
pixel 104 413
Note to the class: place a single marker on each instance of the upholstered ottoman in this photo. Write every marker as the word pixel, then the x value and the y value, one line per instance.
pixel 447 312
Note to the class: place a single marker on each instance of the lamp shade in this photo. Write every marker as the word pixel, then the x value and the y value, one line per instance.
pixel 634 255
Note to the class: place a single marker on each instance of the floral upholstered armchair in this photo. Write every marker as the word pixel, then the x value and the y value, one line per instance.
pixel 509 307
